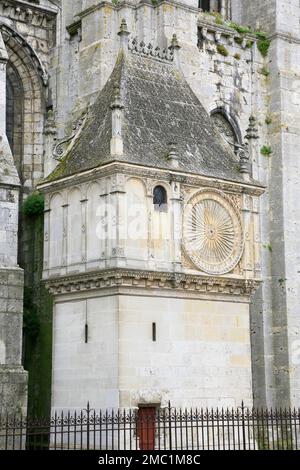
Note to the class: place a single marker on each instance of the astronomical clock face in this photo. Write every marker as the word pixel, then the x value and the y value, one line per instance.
pixel 212 232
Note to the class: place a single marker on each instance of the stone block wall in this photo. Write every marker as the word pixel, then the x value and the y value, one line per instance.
pixel 13 378
pixel 201 354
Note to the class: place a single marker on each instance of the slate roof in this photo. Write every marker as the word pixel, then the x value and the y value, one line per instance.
pixel 159 108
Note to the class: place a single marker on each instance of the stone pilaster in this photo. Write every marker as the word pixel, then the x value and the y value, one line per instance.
pixel 13 378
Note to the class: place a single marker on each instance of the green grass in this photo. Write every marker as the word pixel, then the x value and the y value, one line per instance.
pixel 218 19
pixel 240 28
pixel 263 46
pixel 268 246
pixel 264 71
pixel 249 44
pixel 268 120
pixel 238 40
pixel 222 50
pixel 266 150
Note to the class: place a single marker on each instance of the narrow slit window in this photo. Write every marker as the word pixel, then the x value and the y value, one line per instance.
pixel 154 332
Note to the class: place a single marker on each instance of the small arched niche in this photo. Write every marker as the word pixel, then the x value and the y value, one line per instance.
pixel 160 199
pixel 227 127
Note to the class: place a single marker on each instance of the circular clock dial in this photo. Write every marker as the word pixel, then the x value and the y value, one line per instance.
pixel 212 232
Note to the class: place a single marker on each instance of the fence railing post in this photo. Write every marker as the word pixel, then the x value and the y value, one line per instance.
pixel 243 426
pixel 88 426
pixel 170 427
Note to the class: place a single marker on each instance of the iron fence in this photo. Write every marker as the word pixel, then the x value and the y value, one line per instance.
pixel 166 429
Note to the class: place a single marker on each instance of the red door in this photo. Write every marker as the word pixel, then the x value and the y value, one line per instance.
pixel 146 427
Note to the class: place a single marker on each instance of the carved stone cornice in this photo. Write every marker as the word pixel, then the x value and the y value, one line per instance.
pixel 212 31
pixel 151 280
pixel 153 173
pixel 26 11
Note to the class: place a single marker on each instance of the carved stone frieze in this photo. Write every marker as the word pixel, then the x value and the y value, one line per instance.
pixel 150 280
pixel 27 13
pixel 148 50
pixel 144 172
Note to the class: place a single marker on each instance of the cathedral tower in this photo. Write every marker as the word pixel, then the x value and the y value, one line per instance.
pixel 151 248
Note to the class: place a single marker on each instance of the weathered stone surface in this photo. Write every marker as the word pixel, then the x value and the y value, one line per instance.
pixel 158 107
pixel 227 74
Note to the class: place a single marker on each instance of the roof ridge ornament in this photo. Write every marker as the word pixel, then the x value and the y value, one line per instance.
pixel 116 142
pixel 117 102
pixel 123 34
pixel 175 48
pixel 244 159
pixel 252 131
pixel 173 157
pixel 148 50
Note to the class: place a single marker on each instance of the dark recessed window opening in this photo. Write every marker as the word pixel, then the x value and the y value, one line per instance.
pixel 86 333
pixel 154 332
pixel 204 5
pixel 160 199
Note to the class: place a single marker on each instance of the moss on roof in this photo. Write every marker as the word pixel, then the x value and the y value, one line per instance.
pixel 159 108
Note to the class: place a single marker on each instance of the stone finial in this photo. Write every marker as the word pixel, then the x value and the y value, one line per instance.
pixel 124 33
pixel 244 159
pixel 117 102
pixel 174 42
pixel 175 48
pixel 252 131
pixel 116 143
pixel 173 157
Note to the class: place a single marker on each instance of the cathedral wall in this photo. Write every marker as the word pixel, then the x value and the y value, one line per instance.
pixel 260 15
pixel 286 302
pixel 275 311
pixel 201 353
pixel 85 371
pixel 88 56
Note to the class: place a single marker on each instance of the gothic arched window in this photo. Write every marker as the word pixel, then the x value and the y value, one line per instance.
pixel 15 115
pixel 160 199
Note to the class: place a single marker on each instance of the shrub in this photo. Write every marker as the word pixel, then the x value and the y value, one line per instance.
pixel 34 204
pixel 237 56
